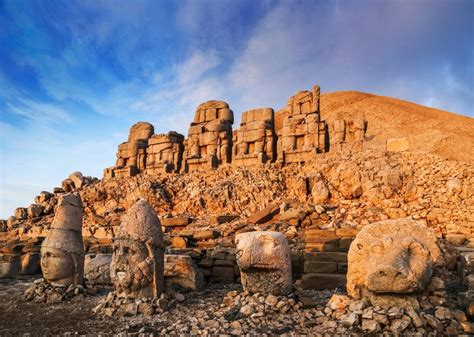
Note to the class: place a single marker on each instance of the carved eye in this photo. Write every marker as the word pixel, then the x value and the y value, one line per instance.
pixel 415 246
pixel 360 246
pixel 377 249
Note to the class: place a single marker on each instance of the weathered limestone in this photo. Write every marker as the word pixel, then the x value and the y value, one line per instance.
pixel 181 271
pixel 164 152
pixel 209 142
pixel 62 252
pixel 10 265
pixel 97 268
pixel 348 132
pixel 131 155
pixel 255 141
pixel 136 269
pixel 391 257
pixel 303 134
pixel 30 263
pixel 264 261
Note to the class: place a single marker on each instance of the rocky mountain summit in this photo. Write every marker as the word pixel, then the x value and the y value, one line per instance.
pixel 275 218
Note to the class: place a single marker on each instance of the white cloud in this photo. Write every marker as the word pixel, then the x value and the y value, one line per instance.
pixel 39 112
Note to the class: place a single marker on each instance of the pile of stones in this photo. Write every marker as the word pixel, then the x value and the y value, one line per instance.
pixel 360 315
pixel 115 306
pixel 259 305
pixel 43 292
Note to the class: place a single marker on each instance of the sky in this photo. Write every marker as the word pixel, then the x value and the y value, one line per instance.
pixel 75 75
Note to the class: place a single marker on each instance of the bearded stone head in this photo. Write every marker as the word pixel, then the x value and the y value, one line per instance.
pixel 137 262
pixel 391 257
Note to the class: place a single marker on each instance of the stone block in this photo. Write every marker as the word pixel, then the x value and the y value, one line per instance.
pixel 205 235
pixel 326 257
pixel 180 270
pixel 97 268
pixel 178 221
pixel 223 272
pixel 30 264
pixel 320 267
pixel 319 281
pixel 264 215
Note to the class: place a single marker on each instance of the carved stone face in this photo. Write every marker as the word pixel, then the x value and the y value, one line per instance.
pixel 58 266
pixel 131 269
pixel 264 262
pixel 391 257
pixel 400 268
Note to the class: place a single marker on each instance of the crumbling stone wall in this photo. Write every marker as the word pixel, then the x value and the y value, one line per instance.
pixel 146 151
pixel 255 141
pixel 131 155
pixel 165 152
pixel 209 142
pixel 303 134
pixel 347 132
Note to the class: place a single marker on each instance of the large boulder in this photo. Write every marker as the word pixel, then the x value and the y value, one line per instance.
pixel 97 268
pixel 77 179
pixel 30 264
pixel 21 213
pixel 391 257
pixel 35 211
pixel 180 271
pixel 264 261
pixel 10 265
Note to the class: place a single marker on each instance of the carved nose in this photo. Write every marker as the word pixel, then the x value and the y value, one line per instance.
pixel 390 272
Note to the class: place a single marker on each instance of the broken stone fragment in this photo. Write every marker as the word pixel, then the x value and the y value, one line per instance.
pixel 97 268
pixel 264 215
pixel 21 213
pixel 77 179
pixel 35 211
pixel 181 271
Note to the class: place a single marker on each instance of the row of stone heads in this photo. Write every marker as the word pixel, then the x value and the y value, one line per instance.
pixel 386 258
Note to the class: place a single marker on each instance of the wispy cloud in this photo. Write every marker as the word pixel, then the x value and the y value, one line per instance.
pixel 39 112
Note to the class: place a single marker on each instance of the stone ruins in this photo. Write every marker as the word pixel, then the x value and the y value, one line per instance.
pixel 296 222
pixel 212 143
pixel 303 134
pixel 209 142
pixel 255 141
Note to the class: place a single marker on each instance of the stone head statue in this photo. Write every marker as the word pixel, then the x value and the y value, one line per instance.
pixel 264 261
pixel 62 252
pixel 391 257
pixel 137 262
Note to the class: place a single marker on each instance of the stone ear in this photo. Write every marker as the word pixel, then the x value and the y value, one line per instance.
pixel 360 246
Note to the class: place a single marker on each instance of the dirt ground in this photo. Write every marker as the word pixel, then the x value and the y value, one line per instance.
pixel 19 317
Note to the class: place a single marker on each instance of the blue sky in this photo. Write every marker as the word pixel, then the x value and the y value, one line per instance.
pixel 74 75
